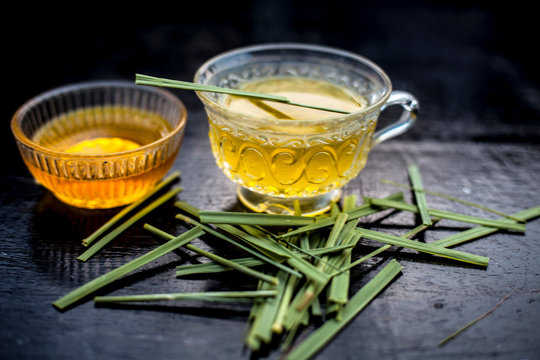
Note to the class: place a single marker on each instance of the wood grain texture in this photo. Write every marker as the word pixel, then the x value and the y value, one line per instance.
pixel 40 240
pixel 477 138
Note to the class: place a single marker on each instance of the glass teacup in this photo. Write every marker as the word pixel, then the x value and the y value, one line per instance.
pixel 281 164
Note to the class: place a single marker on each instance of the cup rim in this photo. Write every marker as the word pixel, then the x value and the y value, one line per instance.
pixel 21 137
pixel 295 46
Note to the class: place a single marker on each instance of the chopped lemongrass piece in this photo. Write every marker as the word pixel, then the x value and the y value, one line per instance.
pixel 409 234
pixel 285 299
pixel 480 231
pixel 261 329
pixel 419 195
pixel 201 296
pixel 125 269
pixel 449 215
pixel 423 247
pixel 249 250
pixel 240 218
pixel 212 267
pixel 177 84
pixel 125 211
pixel 125 225
pixel 320 337
pixel 456 333
pixel 452 198
pixel 236 266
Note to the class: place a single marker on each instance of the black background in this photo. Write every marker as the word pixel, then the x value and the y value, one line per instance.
pixel 471 64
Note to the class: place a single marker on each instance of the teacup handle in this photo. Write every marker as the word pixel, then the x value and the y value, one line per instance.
pixel 407 118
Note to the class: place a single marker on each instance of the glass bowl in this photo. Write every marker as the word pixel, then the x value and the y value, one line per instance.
pixel 100 144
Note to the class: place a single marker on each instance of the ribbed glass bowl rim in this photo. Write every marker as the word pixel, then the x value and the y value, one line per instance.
pixel 335 120
pixel 21 137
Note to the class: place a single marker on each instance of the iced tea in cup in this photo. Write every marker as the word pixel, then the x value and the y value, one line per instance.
pixel 281 155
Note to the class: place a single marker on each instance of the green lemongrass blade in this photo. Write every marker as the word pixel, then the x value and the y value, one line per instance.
pixel 141 79
pixel 202 296
pixel 423 247
pixel 336 230
pixel 261 234
pixel 304 241
pixel 328 250
pixel 221 260
pixel 449 215
pixel 323 108
pixel 452 198
pixel 456 333
pixel 374 253
pixel 367 209
pixel 339 287
pixel 271 249
pixel 267 312
pixel 355 213
pixel 338 292
pixel 288 290
pixel 154 81
pixel 480 231
pixel 320 337
pixel 125 269
pixel 126 210
pixel 249 250
pixel 212 267
pixel 349 202
pixel 128 223
pixel 419 195
pixel 190 209
pixel 240 218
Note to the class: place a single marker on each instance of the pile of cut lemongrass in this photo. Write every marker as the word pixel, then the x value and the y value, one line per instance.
pixel 300 273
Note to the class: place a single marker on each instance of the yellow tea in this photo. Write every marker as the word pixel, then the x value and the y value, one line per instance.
pixel 287 152
pixel 98 131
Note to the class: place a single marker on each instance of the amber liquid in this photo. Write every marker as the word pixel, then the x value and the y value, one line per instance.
pixel 88 182
pixel 295 160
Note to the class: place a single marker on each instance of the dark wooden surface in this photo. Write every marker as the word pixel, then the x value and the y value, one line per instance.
pixel 477 137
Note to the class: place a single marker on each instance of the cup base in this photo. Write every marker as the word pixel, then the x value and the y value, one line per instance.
pixel 310 206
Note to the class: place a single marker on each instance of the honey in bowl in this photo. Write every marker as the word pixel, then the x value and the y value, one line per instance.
pixel 302 159
pixel 110 130
pixel 100 144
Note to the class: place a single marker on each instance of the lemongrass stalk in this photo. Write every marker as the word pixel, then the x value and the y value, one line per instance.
pixel 452 198
pixel 212 267
pixel 201 296
pixel 274 249
pixel 131 207
pixel 240 218
pixel 277 326
pixel 125 269
pixel 338 291
pixel 374 253
pixel 349 202
pixel 320 337
pixel 127 224
pixel 221 260
pixel 177 84
pixel 249 250
pixel 419 195
pixel 423 247
pixel 479 231
pixel 266 312
pixel 468 325
pixel 449 215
